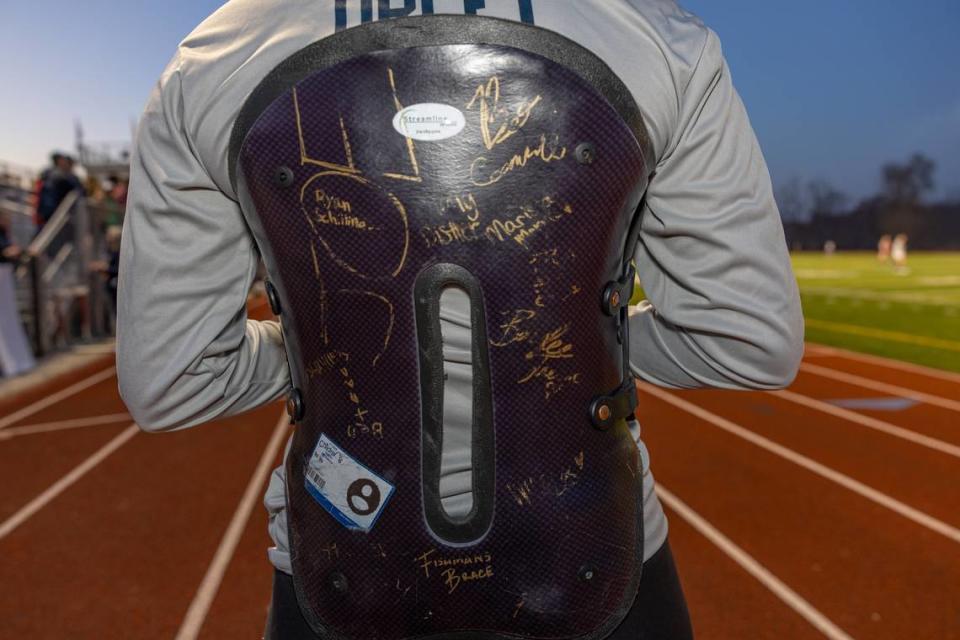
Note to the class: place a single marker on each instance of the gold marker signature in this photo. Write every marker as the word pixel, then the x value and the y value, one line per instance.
pixel 488 95
pixel 546 152
pixel 456 571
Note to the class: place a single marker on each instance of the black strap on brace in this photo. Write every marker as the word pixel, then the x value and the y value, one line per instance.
pixel 622 402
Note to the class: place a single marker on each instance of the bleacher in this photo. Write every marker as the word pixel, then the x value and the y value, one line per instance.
pixel 60 299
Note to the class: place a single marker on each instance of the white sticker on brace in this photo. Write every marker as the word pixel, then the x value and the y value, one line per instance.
pixel 429 121
pixel 353 494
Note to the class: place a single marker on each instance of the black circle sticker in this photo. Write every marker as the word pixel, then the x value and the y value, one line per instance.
pixel 366 493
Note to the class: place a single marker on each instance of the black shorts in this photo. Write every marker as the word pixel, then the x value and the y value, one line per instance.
pixel 659 612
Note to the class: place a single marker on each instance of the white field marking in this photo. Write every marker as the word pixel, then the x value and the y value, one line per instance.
pixel 76 423
pixel 823 350
pixel 883 387
pixel 197 613
pixel 749 564
pixel 825 274
pixel 939 281
pixel 870 423
pixel 900 297
pixel 54 398
pixel 882 334
pixel 915 515
pixel 66 481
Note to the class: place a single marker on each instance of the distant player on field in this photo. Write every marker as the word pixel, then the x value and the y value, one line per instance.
pixel 898 250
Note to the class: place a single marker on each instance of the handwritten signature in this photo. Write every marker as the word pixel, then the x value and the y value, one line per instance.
pixel 491 113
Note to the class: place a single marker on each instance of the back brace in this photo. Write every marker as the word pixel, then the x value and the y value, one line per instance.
pixel 378 168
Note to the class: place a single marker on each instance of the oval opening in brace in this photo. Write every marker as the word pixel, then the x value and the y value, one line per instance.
pixel 456 455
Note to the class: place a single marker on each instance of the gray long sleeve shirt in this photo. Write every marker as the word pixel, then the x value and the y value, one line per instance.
pixel 723 308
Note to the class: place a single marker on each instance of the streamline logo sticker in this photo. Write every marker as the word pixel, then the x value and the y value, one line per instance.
pixel 353 494
pixel 429 121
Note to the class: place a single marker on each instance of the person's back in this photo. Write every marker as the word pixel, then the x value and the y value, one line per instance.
pixel 711 256
pixel 55 183
pixel 46 198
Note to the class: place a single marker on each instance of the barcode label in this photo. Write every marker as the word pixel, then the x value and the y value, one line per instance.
pixel 318 480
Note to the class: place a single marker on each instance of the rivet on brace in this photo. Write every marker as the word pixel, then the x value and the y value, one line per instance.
pixel 283 176
pixel 618 293
pixel 606 410
pixel 585 153
pixel 339 582
pixel 587 573
pixel 295 408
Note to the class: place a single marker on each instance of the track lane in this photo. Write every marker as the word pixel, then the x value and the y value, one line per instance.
pixel 896 390
pixel 118 548
pixel 934 381
pixel 710 576
pixel 849 415
pixel 63 484
pixel 63 425
pixel 867 569
pixel 122 551
pixel 207 592
pixel 30 464
pixel 99 399
pixel 11 401
pixel 240 608
pixel 934 422
pixel 874 573
pixel 920 477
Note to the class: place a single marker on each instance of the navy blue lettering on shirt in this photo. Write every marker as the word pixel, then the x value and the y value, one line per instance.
pixel 385 10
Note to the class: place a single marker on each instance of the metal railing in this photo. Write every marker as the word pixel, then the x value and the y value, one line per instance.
pixel 62 299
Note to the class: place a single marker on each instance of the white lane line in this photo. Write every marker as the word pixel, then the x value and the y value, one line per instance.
pixel 54 398
pixel 821 350
pixel 870 423
pixel 66 481
pixel 749 564
pixel 197 613
pixel 882 499
pixel 76 423
pixel 883 387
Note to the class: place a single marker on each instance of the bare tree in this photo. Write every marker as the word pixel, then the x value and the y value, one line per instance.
pixel 792 201
pixel 825 200
pixel 905 184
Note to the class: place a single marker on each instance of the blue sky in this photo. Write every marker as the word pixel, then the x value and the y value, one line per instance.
pixel 834 88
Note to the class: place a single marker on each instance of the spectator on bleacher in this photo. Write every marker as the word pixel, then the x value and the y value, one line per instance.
pixel 115 200
pixel 53 186
pixel 110 268
pixel 9 251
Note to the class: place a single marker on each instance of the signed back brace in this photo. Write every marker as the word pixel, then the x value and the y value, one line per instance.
pixel 378 168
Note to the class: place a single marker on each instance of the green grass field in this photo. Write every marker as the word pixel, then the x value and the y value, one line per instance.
pixel 853 301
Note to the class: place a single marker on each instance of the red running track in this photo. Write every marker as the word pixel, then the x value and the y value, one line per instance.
pixel 789 517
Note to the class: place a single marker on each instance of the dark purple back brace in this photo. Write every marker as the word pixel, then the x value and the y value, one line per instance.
pixel 362 229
